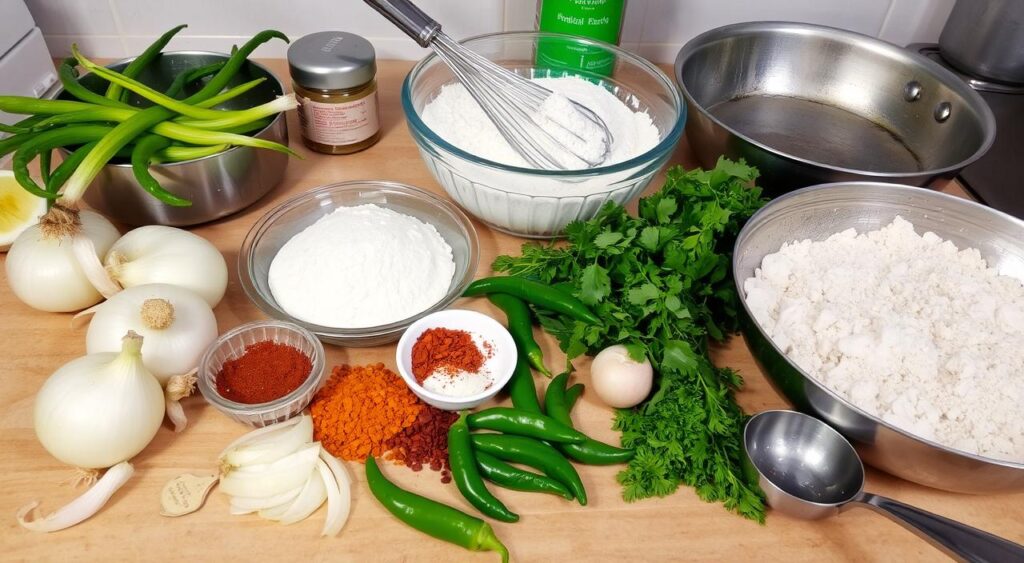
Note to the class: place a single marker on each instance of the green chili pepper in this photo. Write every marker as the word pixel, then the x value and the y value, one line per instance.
pixel 571 395
pixel 69 80
pixel 467 477
pixel 114 91
pixel 590 452
pixel 45 141
pixel 524 423
pixel 141 155
pixel 431 517
pixel 522 389
pixel 511 477
pixel 536 454
pixel 186 77
pixel 45 166
pixel 544 296
pixel 521 328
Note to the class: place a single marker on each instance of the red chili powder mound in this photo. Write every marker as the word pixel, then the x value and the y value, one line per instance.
pixel 264 372
pixel 445 348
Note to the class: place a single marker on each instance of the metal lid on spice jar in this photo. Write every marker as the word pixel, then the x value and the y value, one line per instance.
pixel 332 60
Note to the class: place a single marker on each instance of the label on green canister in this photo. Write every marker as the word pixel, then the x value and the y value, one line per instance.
pixel 595 19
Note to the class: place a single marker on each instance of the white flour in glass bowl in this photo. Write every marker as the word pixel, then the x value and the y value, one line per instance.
pixel 906 327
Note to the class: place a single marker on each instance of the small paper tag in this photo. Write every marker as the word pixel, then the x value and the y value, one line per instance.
pixel 186 494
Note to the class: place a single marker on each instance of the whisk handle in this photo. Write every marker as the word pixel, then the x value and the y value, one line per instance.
pixel 409 18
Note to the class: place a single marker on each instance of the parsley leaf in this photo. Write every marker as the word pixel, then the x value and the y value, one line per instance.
pixel 660 283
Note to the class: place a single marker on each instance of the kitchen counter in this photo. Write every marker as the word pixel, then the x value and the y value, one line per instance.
pixel 674 528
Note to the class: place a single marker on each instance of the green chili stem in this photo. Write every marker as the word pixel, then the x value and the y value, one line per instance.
pixel 142 61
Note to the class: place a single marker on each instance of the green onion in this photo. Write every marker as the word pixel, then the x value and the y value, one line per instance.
pixel 69 79
pixel 177 106
pixel 27 105
pixel 47 140
pixel 142 61
pixel 179 153
pixel 70 163
pixel 236 118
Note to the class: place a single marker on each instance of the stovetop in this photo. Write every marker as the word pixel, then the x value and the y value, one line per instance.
pixel 995 179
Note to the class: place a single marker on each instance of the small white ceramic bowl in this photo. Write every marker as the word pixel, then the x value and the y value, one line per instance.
pixel 500 364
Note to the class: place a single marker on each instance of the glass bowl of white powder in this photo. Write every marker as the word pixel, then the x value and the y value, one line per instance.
pixel 356 263
pixel 895 314
pixel 469 158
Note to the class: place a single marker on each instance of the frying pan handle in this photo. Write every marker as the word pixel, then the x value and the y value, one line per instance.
pixel 409 18
pixel 957 540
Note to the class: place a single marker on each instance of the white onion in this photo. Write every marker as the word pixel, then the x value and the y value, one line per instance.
pixel 260 470
pixel 96 411
pixel 177 326
pixel 100 409
pixel 159 254
pixel 618 379
pixel 43 269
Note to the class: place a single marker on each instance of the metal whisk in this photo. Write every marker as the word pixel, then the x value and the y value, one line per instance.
pixel 548 140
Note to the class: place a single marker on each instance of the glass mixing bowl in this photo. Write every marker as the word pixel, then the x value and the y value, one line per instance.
pixel 540 203
pixel 283 222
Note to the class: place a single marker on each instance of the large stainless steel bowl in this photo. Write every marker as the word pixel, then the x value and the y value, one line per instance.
pixel 815 213
pixel 217 185
pixel 809 104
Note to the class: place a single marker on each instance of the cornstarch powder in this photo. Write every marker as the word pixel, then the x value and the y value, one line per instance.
pixel 361 266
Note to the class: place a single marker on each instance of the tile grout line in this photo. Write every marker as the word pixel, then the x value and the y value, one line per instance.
pixel 888 16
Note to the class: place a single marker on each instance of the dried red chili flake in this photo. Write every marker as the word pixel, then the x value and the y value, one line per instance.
pixel 424 443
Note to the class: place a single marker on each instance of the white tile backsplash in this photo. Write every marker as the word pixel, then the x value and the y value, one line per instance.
pixel 654 28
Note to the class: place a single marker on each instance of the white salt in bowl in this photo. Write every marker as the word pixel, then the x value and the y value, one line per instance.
pixel 500 364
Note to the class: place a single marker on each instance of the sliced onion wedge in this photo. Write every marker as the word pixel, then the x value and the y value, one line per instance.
pixel 312 496
pixel 271 447
pixel 334 515
pixel 342 483
pixel 245 505
pixel 274 478
pixel 82 507
pixel 262 433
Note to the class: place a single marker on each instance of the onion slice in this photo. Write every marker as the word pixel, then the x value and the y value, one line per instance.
pixel 272 447
pixel 81 508
pixel 274 478
pixel 312 496
pixel 334 521
pixel 245 505
pixel 344 485
pixel 261 433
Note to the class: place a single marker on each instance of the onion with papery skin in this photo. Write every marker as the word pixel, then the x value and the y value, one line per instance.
pixel 177 325
pixel 159 254
pixel 44 265
pixel 96 411
pixel 100 409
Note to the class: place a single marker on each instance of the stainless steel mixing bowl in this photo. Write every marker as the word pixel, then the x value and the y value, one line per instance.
pixel 817 212
pixel 217 185
pixel 809 104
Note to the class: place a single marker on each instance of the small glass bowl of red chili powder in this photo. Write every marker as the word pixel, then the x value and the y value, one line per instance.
pixel 262 372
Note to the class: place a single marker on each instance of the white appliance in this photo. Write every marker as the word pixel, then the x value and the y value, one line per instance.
pixel 26 68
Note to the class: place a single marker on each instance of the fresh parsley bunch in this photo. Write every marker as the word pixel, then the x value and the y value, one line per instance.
pixel 661 284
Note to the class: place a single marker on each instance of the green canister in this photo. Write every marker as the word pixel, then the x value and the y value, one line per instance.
pixel 594 19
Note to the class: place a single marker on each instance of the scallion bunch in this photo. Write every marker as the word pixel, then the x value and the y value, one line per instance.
pixel 98 127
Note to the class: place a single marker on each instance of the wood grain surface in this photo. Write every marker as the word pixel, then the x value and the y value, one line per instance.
pixel 679 527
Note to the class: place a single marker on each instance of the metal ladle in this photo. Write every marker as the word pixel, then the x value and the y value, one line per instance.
pixel 808 470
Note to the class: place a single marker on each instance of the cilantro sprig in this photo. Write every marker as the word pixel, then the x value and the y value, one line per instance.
pixel 660 283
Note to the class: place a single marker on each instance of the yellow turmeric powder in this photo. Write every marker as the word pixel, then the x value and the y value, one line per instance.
pixel 360 409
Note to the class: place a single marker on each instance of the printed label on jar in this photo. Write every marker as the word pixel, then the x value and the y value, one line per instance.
pixel 339 124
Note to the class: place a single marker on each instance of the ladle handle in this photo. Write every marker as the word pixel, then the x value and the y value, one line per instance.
pixel 957 540
pixel 409 18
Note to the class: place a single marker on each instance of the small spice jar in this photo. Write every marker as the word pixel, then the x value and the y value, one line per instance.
pixel 333 78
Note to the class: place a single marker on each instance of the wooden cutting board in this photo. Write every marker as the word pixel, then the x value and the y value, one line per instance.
pixel 679 527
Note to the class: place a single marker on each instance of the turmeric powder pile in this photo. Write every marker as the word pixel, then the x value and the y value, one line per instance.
pixel 368 410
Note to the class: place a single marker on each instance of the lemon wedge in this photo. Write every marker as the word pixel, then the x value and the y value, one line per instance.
pixel 19 209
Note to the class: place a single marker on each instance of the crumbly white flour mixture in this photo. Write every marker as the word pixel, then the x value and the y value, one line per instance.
pixel 906 327
pixel 361 266
pixel 456 117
